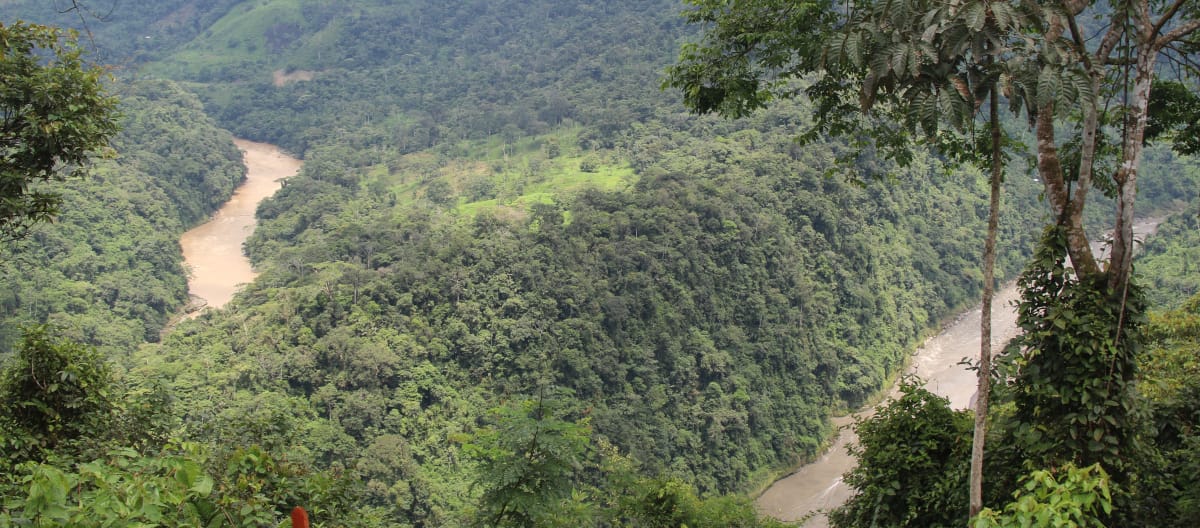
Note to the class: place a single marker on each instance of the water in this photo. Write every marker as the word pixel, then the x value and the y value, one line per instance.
pixel 212 251
pixel 818 486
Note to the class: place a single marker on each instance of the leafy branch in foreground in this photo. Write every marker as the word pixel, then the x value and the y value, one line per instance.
pixel 1069 497
pixel 55 116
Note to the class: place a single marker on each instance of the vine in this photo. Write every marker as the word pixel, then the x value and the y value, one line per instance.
pixel 1074 367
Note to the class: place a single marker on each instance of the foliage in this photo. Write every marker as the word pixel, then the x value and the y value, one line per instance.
pixel 1174 113
pixel 1171 370
pixel 81 449
pixel 131 32
pixel 54 391
pixel 108 272
pixel 167 136
pixel 1169 265
pixel 254 485
pixel 888 76
pixel 176 486
pixel 527 464
pixel 1169 362
pixel 538 469
pixel 934 61
pixel 518 65
pixel 745 44
pixel 56 115
pixel 1072 496
pixel 1074 375
pixel 125 488
pixel 912 464
pixel 1157 463
pixel 710 319
pixel 663 503
pixel 709 302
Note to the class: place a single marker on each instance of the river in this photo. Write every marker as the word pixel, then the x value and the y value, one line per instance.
pixel 818 486
pixel 212 251
pixel 213 254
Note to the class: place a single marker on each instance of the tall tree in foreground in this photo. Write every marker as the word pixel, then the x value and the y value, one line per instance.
pixel 755 51
pixel 916 57
pixel 919 66
pixel 1094 79
pixel 54 114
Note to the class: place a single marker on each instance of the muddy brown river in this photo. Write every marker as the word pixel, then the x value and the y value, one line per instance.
pixel 818 486
pixel 212 251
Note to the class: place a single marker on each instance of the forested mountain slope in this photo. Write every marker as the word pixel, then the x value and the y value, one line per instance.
pixel 497 199
pixel 411 75
pixel 708 318
pixel 1170 262
pixel 108 271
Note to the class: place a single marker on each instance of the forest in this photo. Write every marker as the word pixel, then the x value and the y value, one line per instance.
pixel 518 282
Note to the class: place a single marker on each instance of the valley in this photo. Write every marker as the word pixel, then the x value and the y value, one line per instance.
pixel 817 487
pixel 490 263
pixel 212 251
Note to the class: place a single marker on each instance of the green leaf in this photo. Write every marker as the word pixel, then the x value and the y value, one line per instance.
pixel 975 15
pixel 203 486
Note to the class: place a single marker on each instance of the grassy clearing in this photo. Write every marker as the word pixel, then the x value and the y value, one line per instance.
pixel 246 40
pixel 502 177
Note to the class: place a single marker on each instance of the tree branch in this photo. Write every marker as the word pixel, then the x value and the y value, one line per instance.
pixel 1048 163
pixel 1144 28
pixel 1107 44
pixel 74 7
pixel 1074 7
pixel 1171 12
pixel 1178 33
pixel 1080 45
pixel 1179 59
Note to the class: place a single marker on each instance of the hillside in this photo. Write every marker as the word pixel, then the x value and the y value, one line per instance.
pixel 497 203
pixel 418 74
pixel 708 317
pixel 108 272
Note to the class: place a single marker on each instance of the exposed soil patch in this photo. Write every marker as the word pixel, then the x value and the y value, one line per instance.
pixel 281 78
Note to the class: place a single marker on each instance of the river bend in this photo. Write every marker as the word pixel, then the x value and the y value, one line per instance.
pixel 818 486
pixel 212 251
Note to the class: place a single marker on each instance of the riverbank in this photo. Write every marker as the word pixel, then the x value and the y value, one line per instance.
pixel 817 486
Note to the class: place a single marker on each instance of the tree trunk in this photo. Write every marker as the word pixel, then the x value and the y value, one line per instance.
pixel 1121 264
pixel 985 317
pixel 1067 212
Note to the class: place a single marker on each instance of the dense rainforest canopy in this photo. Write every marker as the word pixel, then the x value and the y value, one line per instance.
pixel 502 227
pixel 108 272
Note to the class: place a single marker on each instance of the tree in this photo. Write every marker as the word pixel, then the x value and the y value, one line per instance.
pixel 1049 67
pixel 910 55
pixel 1171 382
pixel 56 115
pixel 912 459
pixel 1074 375
pixel 1064 72
pixel 54 391
pixel 918 65
pixel 527 466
